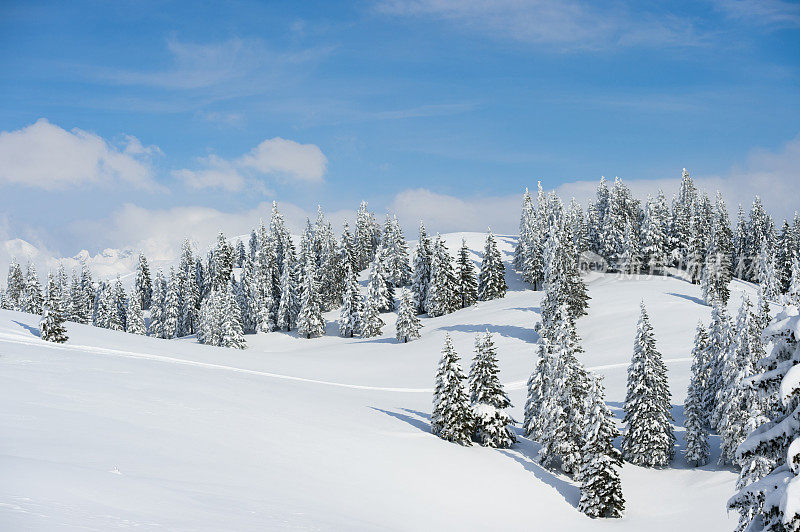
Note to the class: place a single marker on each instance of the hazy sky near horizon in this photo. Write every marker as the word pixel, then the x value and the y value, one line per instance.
pixel 139 123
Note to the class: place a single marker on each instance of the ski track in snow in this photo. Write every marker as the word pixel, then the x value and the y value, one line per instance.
pixel 16 339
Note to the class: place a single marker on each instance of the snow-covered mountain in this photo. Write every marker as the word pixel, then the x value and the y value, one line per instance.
pixel 114 430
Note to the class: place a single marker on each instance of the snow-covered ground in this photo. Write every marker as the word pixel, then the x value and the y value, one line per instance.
pixel 114 430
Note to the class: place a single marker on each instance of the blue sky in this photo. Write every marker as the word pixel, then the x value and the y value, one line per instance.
pixel 173 115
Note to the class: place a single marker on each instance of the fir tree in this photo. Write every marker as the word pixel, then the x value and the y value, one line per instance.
pixel 451 419
pixel 157 315
pixel 288 307
pixel 51 326
pixel 739 409
pixel 379 289
pixel 135 317
pixel 421 276
pixel 441 295
pixel 598 475
pixel 371 322
pixel 16 285
pixel 770 452
pixel 488 399
pixel 350 312
pixel 655 237
pixel 172 307
pixel 492 277
pixel 408 323
pixel 467 283
pixel 696 420
pixel 231 334
pixel 719 343
pixel 648 439
pixel 309 319
pixel 31 298
pixel 144 286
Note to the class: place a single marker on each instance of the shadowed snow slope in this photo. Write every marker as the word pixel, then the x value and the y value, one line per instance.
pixel 115 430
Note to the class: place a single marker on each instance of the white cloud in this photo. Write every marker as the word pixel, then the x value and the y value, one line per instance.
pixel 304 162
pixel 563 24
pixel 44 155
pixel 769 14
pixel 277 158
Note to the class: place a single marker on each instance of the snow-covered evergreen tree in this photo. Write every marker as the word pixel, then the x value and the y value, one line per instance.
pixel 451 418
pixel 231 333
pixel 598 475
pixel 352 306
pixel 371 322
pixel 719 344
pixel 421 276
pixel 769 502
pixel 16 284
pixel 655 236
pixel 488 399
pixel 157 315
pixel 31 298
pixel 289 306
pixel 765 273
pixel 134 319
pixel 51 326
pixel 379 289
pixel 739 410
pixel 697 450
pixel 309 319
pixel 467 282
pixel 793 294
pixel 648 439
pixel 442 297
pixel 408 323
pixel 143 289
pixel 172 307
pixel 398 269
pixel 492 277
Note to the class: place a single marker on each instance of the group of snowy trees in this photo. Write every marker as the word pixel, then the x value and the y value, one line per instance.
pixel 278 286
pixel 692 233
pixel 476 411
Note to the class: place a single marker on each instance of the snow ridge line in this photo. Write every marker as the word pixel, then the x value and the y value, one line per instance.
pixel 514 385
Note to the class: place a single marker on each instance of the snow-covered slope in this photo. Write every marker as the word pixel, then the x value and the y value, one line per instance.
pixel 114 430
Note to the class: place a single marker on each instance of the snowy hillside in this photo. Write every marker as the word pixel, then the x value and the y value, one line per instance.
pixel 116 430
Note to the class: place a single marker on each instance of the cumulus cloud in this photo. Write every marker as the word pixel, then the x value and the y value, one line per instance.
pixel 278 158
pixel 44 155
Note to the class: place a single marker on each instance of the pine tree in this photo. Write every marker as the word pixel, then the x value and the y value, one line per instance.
pixel 288 307
pixel 31 298
pixel 16 285
pixel 51 326
pixel 78 304
pixel 421 276
pixel 598 475
pixel 371 322
pixel 157 315
pixel 441 294
pixel 492 277
pixel 144 286
pixel 765 273
pixel 379 289
pixel 172 307
pixel 119 306
pixel 451 419
pixel 696 419
pixel 648 439
pixel 655 237
pixel 739 409
pixel 488 399
pixel 396 258
pixel 467 283
pixel 188 291
pixel 309 319
pixel 768 501
pixel 350 312
pixel 408 323
pixel 793 294
pixel 231 334
pixel 719 344
pixel 135 317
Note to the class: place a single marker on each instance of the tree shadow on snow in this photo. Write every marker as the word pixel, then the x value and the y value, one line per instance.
pixel 524 452
pixel 416 422
pixel 33 330
pixel 688 298
pixel 511 331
